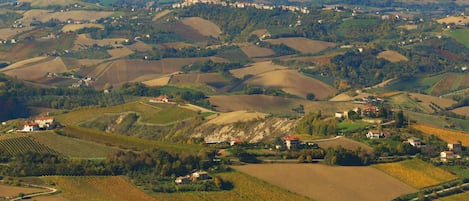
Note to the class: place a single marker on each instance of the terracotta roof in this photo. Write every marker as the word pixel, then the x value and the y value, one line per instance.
pixel 291 138
pixel 44 118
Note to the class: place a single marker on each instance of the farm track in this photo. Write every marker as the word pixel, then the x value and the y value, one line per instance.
pixel 50 192
pixel 442 191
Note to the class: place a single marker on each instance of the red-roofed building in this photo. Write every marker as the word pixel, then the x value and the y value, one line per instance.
pixel 45 122
pixel 447 155
pixel 30 126
pixel 236 141
pixel 291 142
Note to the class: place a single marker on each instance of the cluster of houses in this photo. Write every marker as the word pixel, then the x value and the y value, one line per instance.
pixel 187 3
pixel 195 176
pixel 453 152
pixel 40 123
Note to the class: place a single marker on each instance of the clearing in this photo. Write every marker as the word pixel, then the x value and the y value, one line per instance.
pixel 325 183
pixel 392 56
pixel 303 45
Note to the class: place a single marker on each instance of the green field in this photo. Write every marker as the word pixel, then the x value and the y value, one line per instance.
pixel 438 121
pixel 73 147
pixel 349 126
pixel 149 113
pixel 416 84
pixel 126 142
pixel 460 35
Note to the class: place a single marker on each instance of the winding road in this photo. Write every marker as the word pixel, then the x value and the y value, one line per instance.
pixel 50 192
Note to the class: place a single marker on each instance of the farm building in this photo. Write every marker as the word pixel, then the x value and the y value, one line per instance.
pixel 236 141
pixel 455 147
pixel 416 142
pixel 374 134
pixel 160 99
pixel 447 155
pixel 291 142
pixel 30 126
pixel 45 122
pixel 200 175
pixel 183 179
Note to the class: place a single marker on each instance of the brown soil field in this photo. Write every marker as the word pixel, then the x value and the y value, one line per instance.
pixel 162 81
pixel 424 101
pixel 89 62
pixel 43 3
pixel 120 52
pixel 453 19
pixel 324 183
pixel 83 41
pixel 409 26
pixel 204 27
pixel 464 82
pixel 342 97
pixel 303 45
pixel 75 27
pixel 8 33
pixel 121 71
pixel 140 47
pixel 293 82
pixel 237 116
pixel 50 198
pixel 462 111
pixel 444 85
pixel 38 70
pixel 187 32
pixel 161 14
pixel 344 142
pixel 13 191
pixel 392 56
pixel 253 51
pixel 46 15
pixel 318 60
pixel 256 69
pixel 198 78
pixel 176 45
pixel 275 104
pixel 23 63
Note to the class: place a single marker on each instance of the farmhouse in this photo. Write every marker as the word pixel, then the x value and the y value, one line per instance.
pixel 30 126
pixel 374 134
pixel 236 141
pixel 45 122
pixel 416 142
pixel 447 155
pixel 160 99
pixel 455 147
pixel 200 175
pixel 291 142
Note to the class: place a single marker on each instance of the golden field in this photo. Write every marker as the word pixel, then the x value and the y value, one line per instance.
pixel 447 135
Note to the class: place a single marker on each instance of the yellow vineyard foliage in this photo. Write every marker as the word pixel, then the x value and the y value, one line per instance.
pixel 447 135
pixel 416 173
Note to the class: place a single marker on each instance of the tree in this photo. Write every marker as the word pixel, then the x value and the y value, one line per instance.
pixel 400 119
pixel 310 96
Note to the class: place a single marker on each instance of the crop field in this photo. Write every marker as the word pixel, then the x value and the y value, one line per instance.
pixel 44 3
pixel 18 145
pixel 120 52
pixel 24 63
pixel 453 19
pixel 140 46
pixel 204 27
pixel 112 188
pixel 439 121
pixel 13 191
pixel 236 116
pixel 416 173
pixel 444 85
pixel 39 70
pixel 343 142
pixel 464 82
pixel 162 81
pixel 46 15
pixel 256 69
pixel 447 135
pixel 73 147
pixel 254 51
pixel 293 82
pixel 245 187
pixel 8 33
pixel 423 84
pixel 161 14
pixel 392 56
pixel 168 116
pixel 321 182
pixel 199 78
pixel 426 100
pixel 121 71
pixel 84 41
pixel 275 104
pixel 75 27
pixel 127 142
pixel 187 32
pixel 462 111
pixel 303 45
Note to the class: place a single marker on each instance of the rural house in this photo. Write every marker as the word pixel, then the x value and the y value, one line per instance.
pixel 291 142
pixel 183 179
pixel 416 142
pixel 447 155
pixel 160 99
pixel 376 134
pixel 236 141
pixel 455 147
pixel 45 122
pixel 200 175
pixel 30 126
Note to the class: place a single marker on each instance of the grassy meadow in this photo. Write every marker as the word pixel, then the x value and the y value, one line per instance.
pixel 416 173
pixel 460 35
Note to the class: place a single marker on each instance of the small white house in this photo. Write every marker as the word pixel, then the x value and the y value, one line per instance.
pixel 374 134
pixel 447 155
